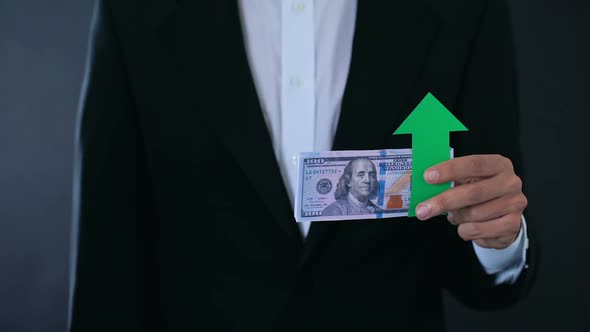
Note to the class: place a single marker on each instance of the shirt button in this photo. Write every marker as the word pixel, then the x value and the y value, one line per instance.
pixel 296 81
pixel 294 160
pixel 298 7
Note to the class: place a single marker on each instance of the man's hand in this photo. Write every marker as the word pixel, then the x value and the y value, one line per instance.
pixel 487 201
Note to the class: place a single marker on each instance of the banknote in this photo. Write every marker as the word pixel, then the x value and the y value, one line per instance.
pixel 345 185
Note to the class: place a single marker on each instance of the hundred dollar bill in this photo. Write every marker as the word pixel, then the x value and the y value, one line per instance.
pixel 345 185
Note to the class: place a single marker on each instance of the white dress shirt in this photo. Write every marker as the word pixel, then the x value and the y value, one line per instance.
pixel 299 53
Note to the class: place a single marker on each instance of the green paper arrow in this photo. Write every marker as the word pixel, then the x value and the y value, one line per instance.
pixel 429 123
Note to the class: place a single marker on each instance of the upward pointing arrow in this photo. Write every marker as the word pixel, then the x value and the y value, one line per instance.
pixel 429 123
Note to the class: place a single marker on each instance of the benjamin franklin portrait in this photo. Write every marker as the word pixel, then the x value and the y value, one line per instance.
pixel 355 189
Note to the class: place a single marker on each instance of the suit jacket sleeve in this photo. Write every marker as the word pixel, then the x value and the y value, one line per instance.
pixel 114 260
pixel 488 105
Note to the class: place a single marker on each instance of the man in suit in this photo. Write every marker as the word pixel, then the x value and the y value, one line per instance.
pixel 222 95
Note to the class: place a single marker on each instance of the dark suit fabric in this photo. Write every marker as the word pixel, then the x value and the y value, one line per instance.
pixel 185 224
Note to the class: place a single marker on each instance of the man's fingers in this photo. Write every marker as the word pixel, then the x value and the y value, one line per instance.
pixel 474 166
pixel 464 196
pixel 489 210
pixel 501 228
pixel 498 243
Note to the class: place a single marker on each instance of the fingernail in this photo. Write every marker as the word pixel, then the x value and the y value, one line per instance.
pixel 431 176
pixel 451 217
pixel 422 211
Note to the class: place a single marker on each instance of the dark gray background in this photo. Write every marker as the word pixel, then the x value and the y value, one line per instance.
pixel 42 54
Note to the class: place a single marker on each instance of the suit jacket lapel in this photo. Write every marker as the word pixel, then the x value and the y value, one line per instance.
pixel 211 32
pixel 390 48
pixel 243 127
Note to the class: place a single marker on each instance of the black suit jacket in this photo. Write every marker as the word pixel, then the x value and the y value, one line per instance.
pixel 185 224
